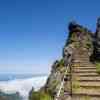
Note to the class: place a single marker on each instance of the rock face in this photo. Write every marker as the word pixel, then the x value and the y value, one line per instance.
pixel 82 45
pixel 78 36
pixel 97 41
pixel 55 77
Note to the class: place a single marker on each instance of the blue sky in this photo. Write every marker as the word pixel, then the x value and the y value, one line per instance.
pixel 33 32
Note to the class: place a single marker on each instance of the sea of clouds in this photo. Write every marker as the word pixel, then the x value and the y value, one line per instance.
pixel 23 86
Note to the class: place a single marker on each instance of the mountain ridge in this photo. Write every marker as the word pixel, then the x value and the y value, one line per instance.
pixel 81 50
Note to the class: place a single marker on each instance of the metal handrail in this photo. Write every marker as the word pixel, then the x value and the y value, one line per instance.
pixel 62 83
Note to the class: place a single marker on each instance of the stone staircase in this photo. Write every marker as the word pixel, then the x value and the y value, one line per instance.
pixel 85 79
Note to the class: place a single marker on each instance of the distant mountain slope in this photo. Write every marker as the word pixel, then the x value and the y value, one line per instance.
pixel 14 96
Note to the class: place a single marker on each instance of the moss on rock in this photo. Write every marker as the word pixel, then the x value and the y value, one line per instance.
pixel 40 95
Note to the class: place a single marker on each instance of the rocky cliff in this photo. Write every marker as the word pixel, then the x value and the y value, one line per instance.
pixel 82 46
pixel 96 42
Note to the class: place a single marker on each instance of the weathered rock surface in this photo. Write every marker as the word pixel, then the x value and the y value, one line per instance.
pixel 97 41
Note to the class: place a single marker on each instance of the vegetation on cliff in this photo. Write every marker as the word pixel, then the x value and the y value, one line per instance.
pixel 40 95
pixel 98 67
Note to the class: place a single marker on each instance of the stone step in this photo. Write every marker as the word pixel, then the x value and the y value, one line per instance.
pixel 84 71
pixel 90 87
pixel 87 74
pixel 89 84
pixel 78 58
pixel 81 56
pixel 89 92
pixel 84 80
pixel 84 96
pixel 96 78
pixel 84 67
pixel 83 62
pixel 80 61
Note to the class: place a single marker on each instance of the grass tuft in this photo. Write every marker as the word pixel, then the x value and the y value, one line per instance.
pixel 98 67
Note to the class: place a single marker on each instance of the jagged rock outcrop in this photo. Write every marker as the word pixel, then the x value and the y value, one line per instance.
pixel 78 36
pixel 97 42
pixel 82 46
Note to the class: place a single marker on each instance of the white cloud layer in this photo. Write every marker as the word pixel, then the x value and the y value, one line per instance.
pixel 23 86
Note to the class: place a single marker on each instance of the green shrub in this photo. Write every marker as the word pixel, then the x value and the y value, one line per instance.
pixel 88 45
pixel 40 96
pixel 52 88
pixel 77 45
pixel 75 86
pixel 61 62
pixel 73 38
pixel 98 67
